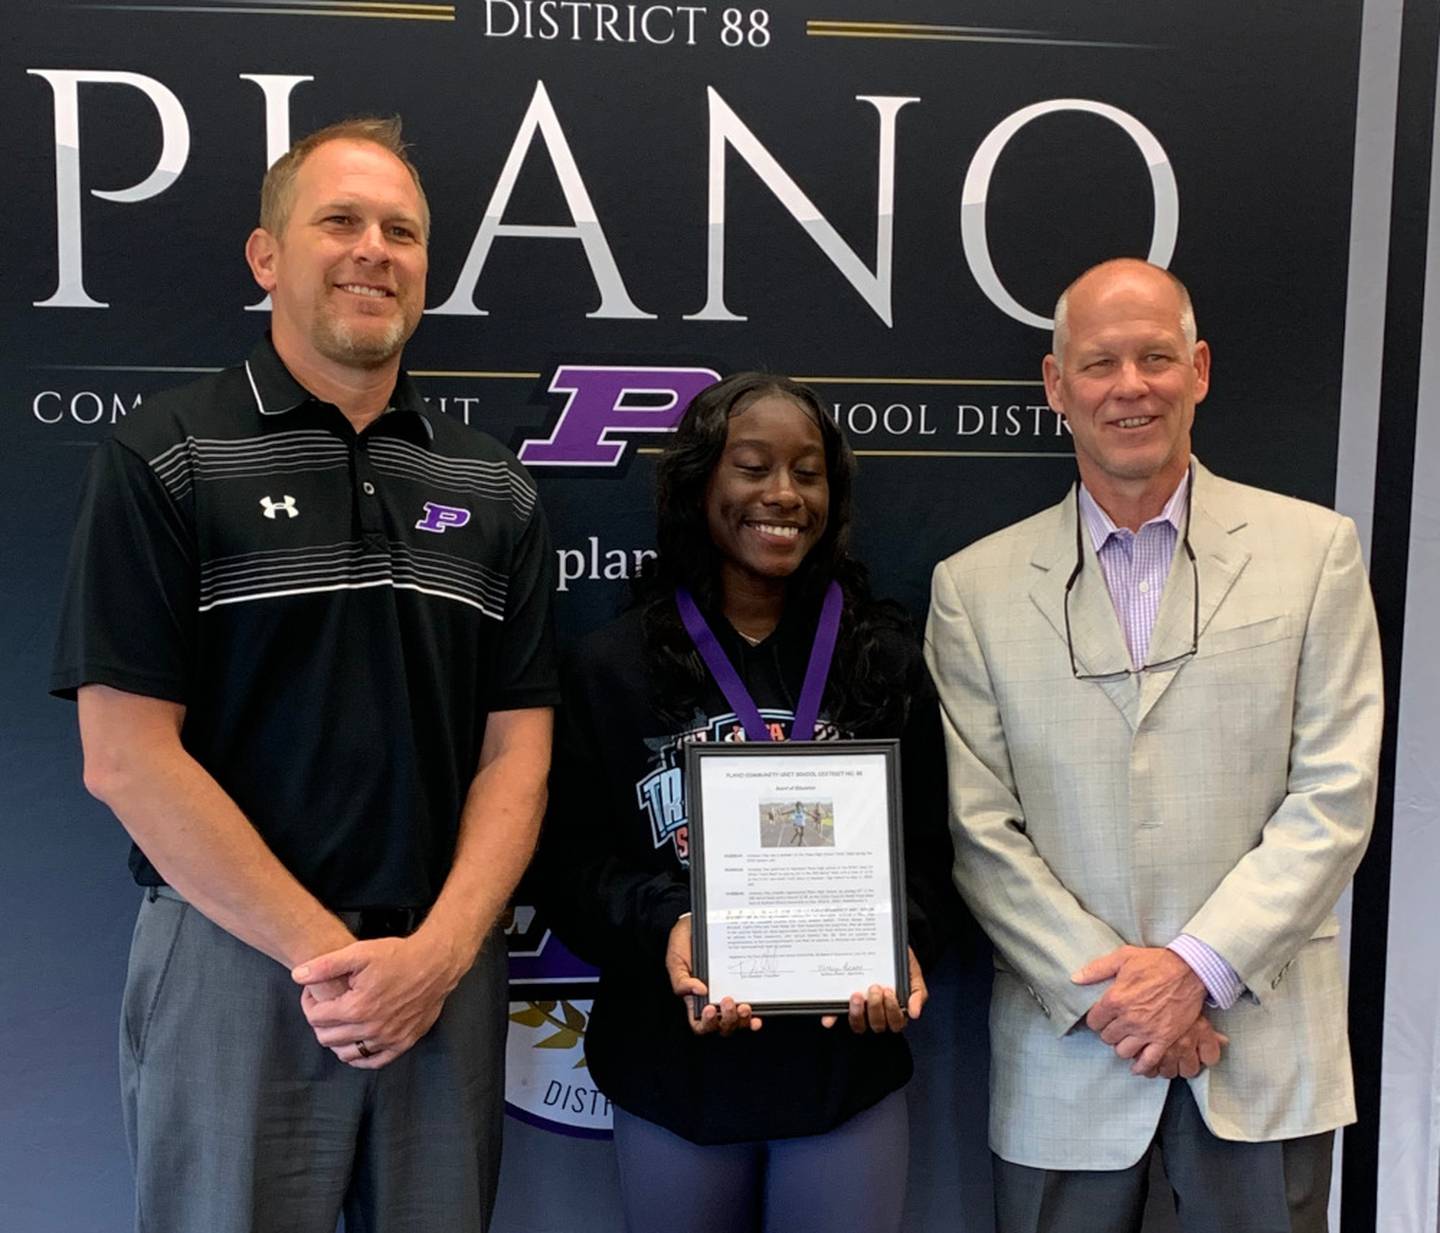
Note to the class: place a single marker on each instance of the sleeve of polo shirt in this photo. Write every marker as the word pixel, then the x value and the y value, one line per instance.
pixel 526 669
pixel 127 618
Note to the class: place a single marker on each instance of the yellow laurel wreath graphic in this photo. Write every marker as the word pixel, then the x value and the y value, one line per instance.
pixel 570 1029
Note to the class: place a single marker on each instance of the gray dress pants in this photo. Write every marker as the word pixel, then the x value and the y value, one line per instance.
pixel 239 1121
pixel 1220 1186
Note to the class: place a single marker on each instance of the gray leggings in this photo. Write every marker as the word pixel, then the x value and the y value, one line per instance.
pixel 850 1177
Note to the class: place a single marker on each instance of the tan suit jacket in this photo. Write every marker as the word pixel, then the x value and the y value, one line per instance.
pixel 1229 798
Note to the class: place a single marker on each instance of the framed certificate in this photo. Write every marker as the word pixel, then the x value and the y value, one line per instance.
pixel 797 874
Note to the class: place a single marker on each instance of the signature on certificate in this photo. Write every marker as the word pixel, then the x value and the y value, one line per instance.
pixel 840 969
pixel 752 967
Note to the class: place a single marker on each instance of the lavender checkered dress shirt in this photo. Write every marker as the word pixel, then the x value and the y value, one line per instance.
pixel 1135 565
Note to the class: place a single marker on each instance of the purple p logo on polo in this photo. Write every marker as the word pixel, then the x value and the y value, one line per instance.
pixel 440 518
pixel 602 402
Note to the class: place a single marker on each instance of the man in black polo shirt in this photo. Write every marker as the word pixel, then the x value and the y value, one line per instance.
pixel 307 624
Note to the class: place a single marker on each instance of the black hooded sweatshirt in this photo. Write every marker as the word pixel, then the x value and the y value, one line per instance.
pixel 613 879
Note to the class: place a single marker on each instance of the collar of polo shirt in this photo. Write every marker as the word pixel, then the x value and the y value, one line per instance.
pixel 277 393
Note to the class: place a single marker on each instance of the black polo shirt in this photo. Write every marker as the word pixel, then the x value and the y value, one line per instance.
pixel 338 613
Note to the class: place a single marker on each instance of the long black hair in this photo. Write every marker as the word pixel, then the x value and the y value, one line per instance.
pixel 862 692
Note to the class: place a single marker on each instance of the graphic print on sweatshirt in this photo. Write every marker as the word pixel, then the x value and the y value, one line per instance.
pixel 661 793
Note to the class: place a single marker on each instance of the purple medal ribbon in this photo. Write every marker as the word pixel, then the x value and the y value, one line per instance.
pixel 817 671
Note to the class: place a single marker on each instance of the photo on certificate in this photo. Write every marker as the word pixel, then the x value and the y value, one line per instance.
pixel 796 872
pixel 797 823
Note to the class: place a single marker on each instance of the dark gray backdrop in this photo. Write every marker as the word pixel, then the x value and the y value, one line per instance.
pixel 1253 107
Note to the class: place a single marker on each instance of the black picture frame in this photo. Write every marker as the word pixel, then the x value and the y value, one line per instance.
pixel 698 753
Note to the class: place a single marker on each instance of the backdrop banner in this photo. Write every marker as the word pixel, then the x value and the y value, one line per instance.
pixel 630 199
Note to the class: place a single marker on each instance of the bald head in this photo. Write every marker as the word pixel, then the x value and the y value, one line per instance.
pixel 1107 276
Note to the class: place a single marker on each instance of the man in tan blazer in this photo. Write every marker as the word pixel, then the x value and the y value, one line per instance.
pixel 1162 701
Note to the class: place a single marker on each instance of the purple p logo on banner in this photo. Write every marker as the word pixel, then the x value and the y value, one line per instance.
pixel 440 518
pixel 600 404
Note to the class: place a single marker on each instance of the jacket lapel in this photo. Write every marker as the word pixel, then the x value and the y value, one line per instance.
pixel 1095 633
pixel 1219 561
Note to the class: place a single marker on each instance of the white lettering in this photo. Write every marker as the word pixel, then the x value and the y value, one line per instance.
pixel 727 130
pixel 35 407
pixel 83 407
pixel 599 22
pixel 906 423
pixel 977 189
pixel 491 30
pixel 540 117
pixel 461 405
pixel 277 88
pixel 855 428
pixel 174 150
pixel 962 412
pixel 594 564
pixel 571 563
pixel 75 407
pixel 650 36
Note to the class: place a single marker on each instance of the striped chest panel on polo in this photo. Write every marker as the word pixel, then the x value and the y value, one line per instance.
pixel 340 613
pixel 302 510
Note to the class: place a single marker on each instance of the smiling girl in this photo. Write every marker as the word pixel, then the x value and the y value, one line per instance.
pixel 719 1125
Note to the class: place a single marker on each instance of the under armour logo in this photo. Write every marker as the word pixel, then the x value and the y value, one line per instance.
pixel 440 518
pixel 287 507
